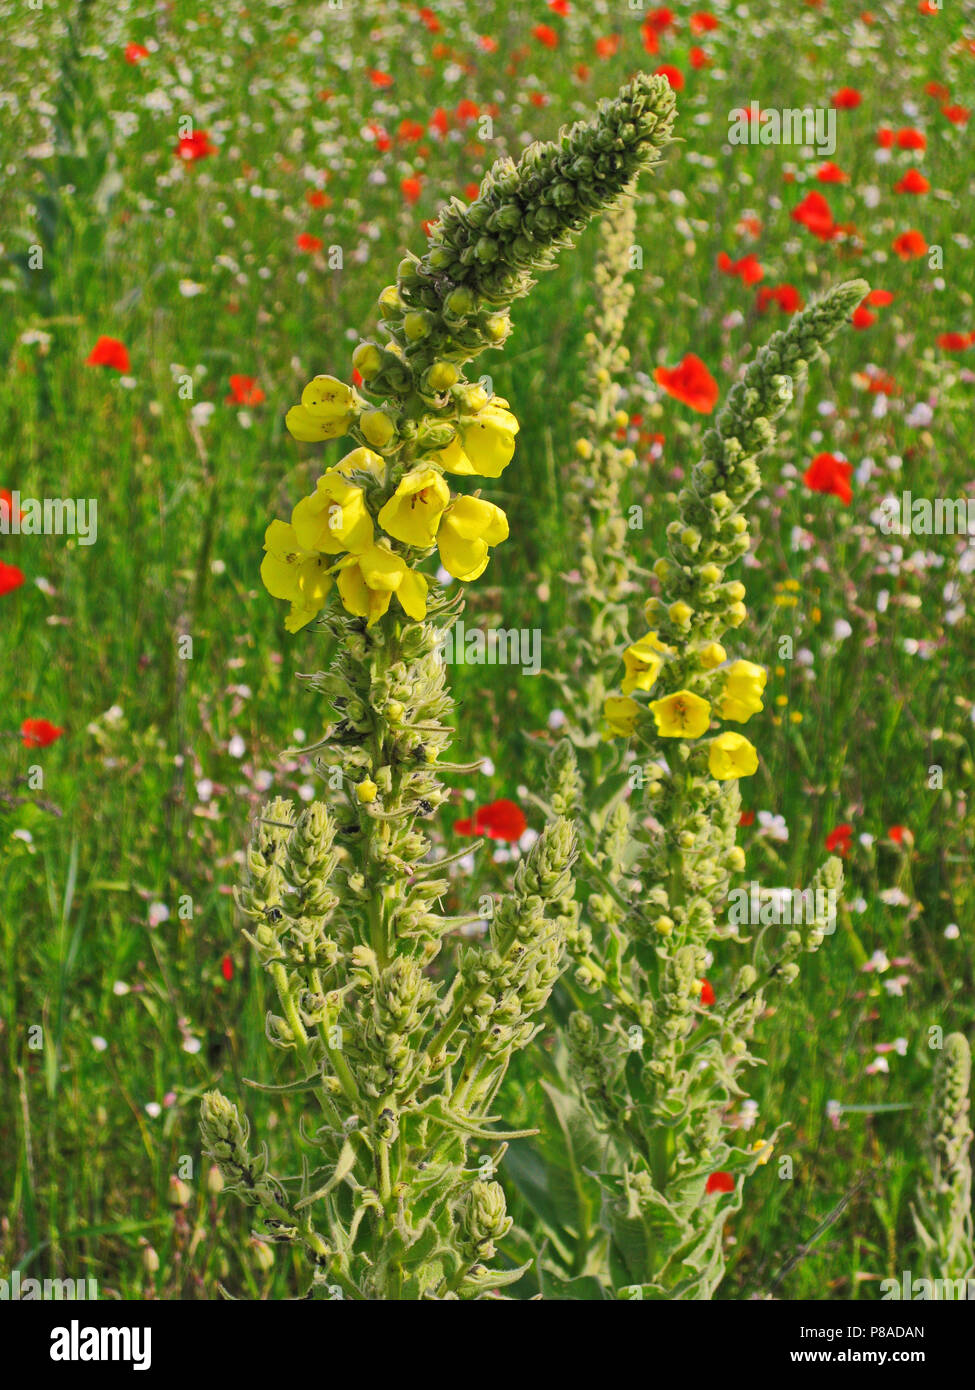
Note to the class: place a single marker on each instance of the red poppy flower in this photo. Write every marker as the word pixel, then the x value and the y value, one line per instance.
pixel 911 139
pixel 381 138
pixel 673 75
pixel 748 269
pixel 411 188
pixel 956 342
pixel 559 7
pixel 11 577
pixel 659 20
pixel 7 506
pixel 862 317
pixel 487 44
pixel 878 383
pixel 430 20
pixel 546 35
pixel 607 47
pixel 958 115
pixel 746 818
pixel 698 58
pixel 938 90
pixel 39 733
pixel 720 1182
pixel 356 377
pixel 838 840
pixel 885 137
pixel 690 382
pixel 846 99
pixel 408 130
pixel 244 390
pixel 815 214
pixel 308 243
pixel 910 244
pixel 900 835
pixel 831 173
pixel 109 352
pixel 787 297
pixel 538 98
pixel 648 36
pixel 380 79
pixel 707 994
pixel 881 298
pixel 703 23
pixel 135 52
pixel 830 475
pixel 227 968
pixel 912 182
pixel 467 110
pixel 316 198
pixel 581 71
pixel 471 190
pixel 194 146
pixel 501 820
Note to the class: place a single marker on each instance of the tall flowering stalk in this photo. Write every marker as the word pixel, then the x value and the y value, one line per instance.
pixel 655 1056
pixel 595 477
pixel 943 1214
pixel 398 1069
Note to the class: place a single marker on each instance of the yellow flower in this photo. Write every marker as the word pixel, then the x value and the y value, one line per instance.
pixel 742 693
pixel 621 712
pixel 327 406
pixel 642 664
pixel 303 426
pixel 327 398
pixel 681 715
pixel 366 583
pixel 731 755
pixel 712 655
pixel 765 1147
pixel 377 427
pixel 488 439
pixel 361 460
pixel 413 513
pixel 453 459
pixel 290 572
pixel 366 791
pixel 469 526
pixel 367 360
pixel 334 518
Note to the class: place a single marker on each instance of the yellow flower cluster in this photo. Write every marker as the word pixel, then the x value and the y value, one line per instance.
pixel 684 714
pixel 334 539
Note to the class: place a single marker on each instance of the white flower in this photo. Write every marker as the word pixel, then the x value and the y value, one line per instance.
pixel 556 719
pixel 154 1109
pixel 202 412
pixel 878 1064
pixel 204 789
pixel 920 417
pixel 487 767
pixel 952 932
pixel 774 826
pixel 895 897
pixel 158 912
pixel 878 961
pixel 99 1043
pixel 120 988
pixel 236 747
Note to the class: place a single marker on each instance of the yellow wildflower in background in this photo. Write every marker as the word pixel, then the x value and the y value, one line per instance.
pixel 469 527
pixel 731 755
pixel 681 715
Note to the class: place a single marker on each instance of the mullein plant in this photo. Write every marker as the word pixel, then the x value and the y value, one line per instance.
pixel 943 1213
pixel 595 476
pixel 395 1071
pixel 653 1059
